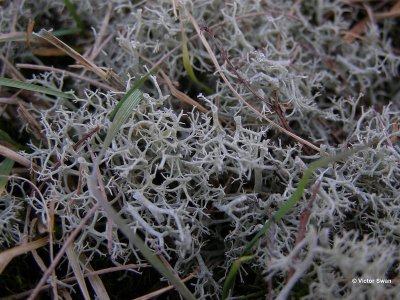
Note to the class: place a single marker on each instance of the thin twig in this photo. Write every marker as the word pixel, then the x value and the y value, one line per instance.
pixel 60 254
pixel 273 104
pixel 212 27
pixel 109 76
pixel 102 33
pixel 163 290
pixel 78 144
pixel 68 73
pixel 252 108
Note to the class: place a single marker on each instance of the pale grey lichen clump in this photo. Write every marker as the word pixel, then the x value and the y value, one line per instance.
pixel 196 187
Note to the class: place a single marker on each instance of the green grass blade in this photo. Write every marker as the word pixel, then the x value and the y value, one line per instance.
pixel 230 279
pixel 188 66
pixel 118 117
pixel 72 11
pixel 134 239
pixel 124 111
pixel 292 201
pixel 66 31
pixel 5 137
pixel 21 37
pixel 5 170
pixel 136 86
pixel 287 207
pixel 33 87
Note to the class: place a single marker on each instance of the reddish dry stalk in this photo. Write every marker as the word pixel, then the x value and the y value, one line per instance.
pixel 273 105
pixel 79 143
pixel 304 218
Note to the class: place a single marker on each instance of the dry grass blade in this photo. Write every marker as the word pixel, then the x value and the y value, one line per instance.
pixel 174 9
pixel 39 261
pixel 110 76
pixel 67 73
pixel 186 61
pixel 50 230
pixel 25 294
pixel 12 100
pixel 33 124
pixel 95 280
pixel 8 255
pixel 96 188
pixel 221 73
pixel 163 290
pixel 11 69
pixel 49 51
pixel 78 144
pixel 181 96
pixel 11 154
pixel 14 36
pixel 64 294
pixel 102 33
pixel 74 263
pixel 29 31
pixel 394 139
pixel 96 51
pixel 394 12
pixel 358 29
pixel 174 91
pixel 60 254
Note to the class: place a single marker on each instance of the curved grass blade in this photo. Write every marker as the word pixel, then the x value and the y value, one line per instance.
pixel 136 86
pixel 93 185
pixel 7 255
pixel 33 87
pixel 188 66
pixel 119 116
pixel 130 100
pixel 73 260
pixel 287 207
pixel 230 279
